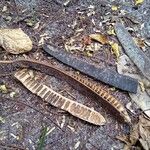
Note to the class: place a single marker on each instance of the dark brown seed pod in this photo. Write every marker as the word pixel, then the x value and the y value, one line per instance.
pixel 105 96
pixel 76 109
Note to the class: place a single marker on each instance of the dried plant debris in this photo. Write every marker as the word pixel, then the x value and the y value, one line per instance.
pixel 12 94
pixel 142 97
pixel 91 43
pixel 132 50
pixel 125 66
pixel 82 84
pixel 87 40
pixel 129 107
pixel 114 8
pixel 139 137
pixel 111 31
pixel 4 9
pixel 76 109
pixel 83 45
pixel 141 43
pixel 77 145
pixel 15 41
pixel 115 49
pixel 2 120
pixel 73 45
pixel 103 39
pixel 137 2
pixel 30 21
pixel 3 88
pixel 100 38
pixel 50 130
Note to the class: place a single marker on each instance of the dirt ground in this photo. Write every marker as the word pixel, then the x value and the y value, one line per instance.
pixel 25 115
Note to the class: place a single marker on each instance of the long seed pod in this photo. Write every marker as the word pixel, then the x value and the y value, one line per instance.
pixel 106 97
pixel 82 85
pixel 47 94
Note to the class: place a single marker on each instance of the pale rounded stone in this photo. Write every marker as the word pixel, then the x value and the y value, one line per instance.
pixel 15 41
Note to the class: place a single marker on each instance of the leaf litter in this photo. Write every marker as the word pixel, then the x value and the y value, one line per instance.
pixel 141 98
pixel 115 49
pixel 100 38
pixel 89 47
pixel 3 88
pixel 82 44
pixel 139 136
pixel 137 2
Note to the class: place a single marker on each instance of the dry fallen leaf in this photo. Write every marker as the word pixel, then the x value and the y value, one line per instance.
pixel 77 145
pixel 8 18
pixel 3 88
pixel 15 41
pixel 89 53
pixel 141 86
pixel 111 31
pixel 140 133
pixel 2 120
pixel 114 8
pixel 140 43
pixel 30 22
pixel 137 2
pixel 129 107
pixel 41 41
pixel 66 2
pixel 4 9
pixel 71 128
pixel 86 40
pixel 12 94
pixel 141 98
pixel 36 26
pixel 115 49
pixel 99 38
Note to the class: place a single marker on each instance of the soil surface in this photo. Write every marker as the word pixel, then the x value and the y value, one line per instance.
pixel 25 115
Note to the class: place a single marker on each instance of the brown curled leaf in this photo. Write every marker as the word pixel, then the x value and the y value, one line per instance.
pixel 99 38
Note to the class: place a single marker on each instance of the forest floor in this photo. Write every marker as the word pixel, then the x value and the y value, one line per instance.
pixel 24 115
